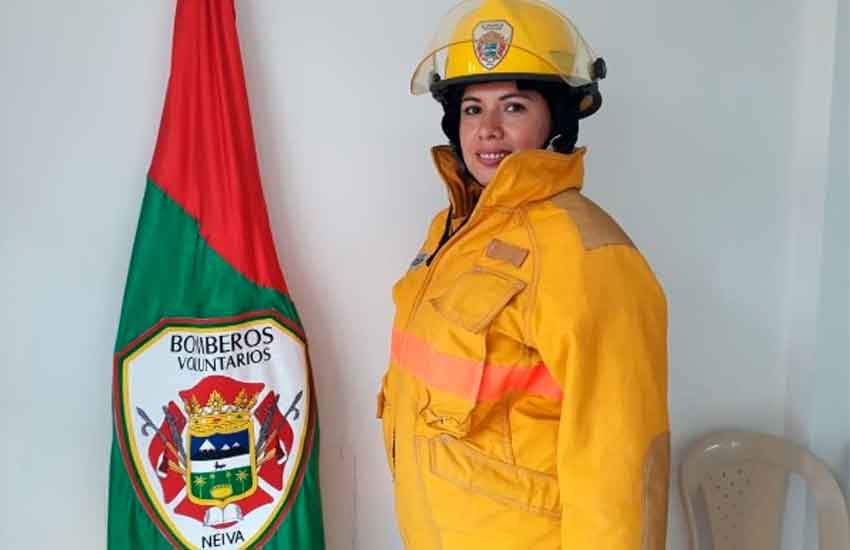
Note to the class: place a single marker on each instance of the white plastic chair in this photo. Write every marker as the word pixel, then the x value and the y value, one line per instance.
pixel 738 480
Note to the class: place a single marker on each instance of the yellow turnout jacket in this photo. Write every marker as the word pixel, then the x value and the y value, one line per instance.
pixel 525 404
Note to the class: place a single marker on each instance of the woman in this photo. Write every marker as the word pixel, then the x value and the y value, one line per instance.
pixel 525 401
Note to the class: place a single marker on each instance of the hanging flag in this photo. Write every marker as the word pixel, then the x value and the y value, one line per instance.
pixel 216 436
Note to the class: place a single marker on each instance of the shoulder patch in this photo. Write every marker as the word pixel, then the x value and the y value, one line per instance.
pixel 596 227
pixel 500 250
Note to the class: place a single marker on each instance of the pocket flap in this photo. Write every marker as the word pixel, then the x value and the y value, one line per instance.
pixel 463 466
pixel 476 297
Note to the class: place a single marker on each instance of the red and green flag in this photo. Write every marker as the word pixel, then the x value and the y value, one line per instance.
pixel 216 434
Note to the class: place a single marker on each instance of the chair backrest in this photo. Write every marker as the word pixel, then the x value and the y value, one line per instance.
pixel 738 480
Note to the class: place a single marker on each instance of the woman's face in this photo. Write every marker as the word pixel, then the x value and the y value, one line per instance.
pixel 497 119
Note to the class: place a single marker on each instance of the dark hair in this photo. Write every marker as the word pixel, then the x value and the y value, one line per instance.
pixel 563 104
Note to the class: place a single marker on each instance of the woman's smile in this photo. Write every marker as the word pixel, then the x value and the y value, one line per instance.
pixel 492 158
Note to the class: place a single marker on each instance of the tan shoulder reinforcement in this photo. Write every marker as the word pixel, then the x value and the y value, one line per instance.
pixel 656 477
pixel 596 227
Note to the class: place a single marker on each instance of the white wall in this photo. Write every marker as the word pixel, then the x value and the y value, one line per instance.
pixel 828 424
pixel 81 93
pixel 815 315
pixel 824 424
pixel 693 152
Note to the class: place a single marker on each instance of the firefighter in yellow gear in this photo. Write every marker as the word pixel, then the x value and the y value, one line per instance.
pixel 525 404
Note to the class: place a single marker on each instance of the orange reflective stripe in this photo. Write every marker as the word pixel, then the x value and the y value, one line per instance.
pixel 469 379
pixel 499 380
pixel 450 374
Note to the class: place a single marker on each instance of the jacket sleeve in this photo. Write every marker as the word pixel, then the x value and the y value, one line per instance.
pixel 599 322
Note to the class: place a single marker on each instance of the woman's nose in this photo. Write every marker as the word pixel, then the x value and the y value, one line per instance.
pixel 491 126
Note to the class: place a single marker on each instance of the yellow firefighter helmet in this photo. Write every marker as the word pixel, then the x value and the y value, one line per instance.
pixel 486 40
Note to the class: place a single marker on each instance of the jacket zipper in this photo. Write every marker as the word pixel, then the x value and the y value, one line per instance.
pixel 447 233
pixel 448 239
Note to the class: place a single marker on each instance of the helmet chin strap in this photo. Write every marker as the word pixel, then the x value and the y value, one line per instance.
pixel 551 143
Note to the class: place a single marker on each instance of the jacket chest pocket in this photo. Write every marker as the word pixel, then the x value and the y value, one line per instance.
pixel 457 354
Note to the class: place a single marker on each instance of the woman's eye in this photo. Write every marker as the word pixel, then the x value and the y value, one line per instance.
pixel 514 108
pixel 471 110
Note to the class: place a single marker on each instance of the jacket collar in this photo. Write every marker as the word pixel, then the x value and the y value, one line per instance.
pixel 522 177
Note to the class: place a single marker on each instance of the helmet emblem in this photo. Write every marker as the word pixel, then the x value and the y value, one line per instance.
pixel 491 40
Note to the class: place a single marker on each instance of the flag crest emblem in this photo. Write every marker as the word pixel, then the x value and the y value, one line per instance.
pixel 217 458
